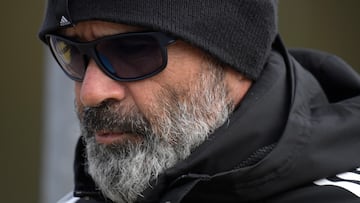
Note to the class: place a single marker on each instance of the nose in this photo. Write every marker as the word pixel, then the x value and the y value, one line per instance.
pixel 97 87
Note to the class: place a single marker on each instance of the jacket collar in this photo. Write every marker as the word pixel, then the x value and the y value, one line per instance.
pixel 84 184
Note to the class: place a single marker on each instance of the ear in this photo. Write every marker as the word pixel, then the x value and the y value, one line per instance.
pixel 238 85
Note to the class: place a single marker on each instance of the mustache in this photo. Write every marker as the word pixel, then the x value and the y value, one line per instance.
pixel 110 116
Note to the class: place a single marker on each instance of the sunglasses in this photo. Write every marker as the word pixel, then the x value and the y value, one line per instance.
pixel 123 57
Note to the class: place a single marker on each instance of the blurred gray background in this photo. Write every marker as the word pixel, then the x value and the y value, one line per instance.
pixel 38 126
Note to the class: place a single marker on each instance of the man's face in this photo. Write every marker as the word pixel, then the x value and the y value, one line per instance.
pixel 183 70
pixel 136 130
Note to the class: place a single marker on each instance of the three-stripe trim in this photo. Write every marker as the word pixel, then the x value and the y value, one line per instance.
pixel 349 181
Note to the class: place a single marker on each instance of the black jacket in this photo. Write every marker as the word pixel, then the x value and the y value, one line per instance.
pixel 298 124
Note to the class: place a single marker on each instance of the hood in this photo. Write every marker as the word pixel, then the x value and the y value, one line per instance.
pixel 303 113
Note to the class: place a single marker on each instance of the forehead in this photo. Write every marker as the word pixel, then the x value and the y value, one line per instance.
pixel 90 30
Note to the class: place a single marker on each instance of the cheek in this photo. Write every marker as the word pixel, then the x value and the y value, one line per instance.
pixel 77 88
pixel 143 94
pixel 182 70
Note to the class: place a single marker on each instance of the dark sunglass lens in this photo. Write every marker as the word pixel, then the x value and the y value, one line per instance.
pixel 131 57
pixel 69 58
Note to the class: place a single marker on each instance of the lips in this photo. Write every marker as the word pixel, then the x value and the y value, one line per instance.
pixel 108 138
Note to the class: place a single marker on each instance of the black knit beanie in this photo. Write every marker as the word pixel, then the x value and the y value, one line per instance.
pixel 239 33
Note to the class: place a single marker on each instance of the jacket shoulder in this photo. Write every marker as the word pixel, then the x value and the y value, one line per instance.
pixel 69 198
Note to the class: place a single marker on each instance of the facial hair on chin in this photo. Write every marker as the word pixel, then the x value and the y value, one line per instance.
pixel 169 131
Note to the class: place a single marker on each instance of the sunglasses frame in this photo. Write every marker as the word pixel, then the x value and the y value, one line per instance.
pixel 88 49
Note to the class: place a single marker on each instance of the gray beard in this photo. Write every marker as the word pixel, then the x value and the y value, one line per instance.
pixel 173 126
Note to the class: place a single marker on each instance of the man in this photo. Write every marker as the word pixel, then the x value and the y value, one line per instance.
pixel 189 101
